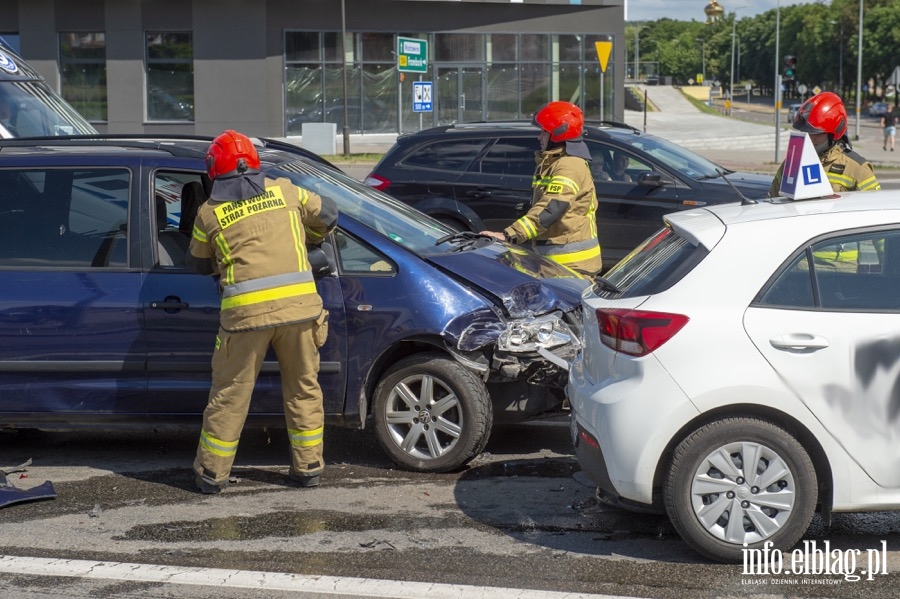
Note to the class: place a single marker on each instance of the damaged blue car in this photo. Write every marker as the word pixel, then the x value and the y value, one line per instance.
pixel 434 335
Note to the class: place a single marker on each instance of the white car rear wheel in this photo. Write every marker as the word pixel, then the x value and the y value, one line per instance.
pixel 740 480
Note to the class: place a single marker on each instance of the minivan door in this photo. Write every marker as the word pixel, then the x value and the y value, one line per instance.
pixel 182 320
pixel 72 341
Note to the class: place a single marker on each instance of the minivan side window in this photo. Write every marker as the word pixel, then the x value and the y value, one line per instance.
pixel 64 218
pixel 177 197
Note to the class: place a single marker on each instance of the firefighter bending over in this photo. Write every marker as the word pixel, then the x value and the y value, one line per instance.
pixel 255 230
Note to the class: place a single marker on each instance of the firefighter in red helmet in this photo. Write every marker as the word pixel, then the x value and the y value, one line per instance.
pixel 824 118
pixel 561 222
pixel 254 231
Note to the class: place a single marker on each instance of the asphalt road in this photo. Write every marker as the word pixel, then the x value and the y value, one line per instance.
pixel 520 517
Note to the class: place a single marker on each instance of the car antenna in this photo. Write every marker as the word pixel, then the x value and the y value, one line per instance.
pixel 745 201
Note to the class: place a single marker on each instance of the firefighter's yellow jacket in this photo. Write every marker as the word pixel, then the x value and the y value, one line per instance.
pixel 561 223
pixel 261 256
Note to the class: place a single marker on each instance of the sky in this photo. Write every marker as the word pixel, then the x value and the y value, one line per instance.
pixel 688 10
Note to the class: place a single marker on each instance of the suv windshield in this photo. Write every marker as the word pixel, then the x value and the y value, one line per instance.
pixel 398 222
pixel 675 157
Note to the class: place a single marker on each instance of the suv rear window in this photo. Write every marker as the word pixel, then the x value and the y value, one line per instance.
pixel 654 266
pixel 455 155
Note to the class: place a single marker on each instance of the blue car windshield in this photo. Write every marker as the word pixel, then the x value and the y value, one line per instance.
pixel 398 222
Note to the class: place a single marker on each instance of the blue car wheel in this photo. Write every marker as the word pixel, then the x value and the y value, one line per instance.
pixel 432 414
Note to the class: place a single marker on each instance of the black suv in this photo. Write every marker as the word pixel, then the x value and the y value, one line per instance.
pixel 478 176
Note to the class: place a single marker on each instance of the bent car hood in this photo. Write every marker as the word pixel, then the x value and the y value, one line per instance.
pixel 500 268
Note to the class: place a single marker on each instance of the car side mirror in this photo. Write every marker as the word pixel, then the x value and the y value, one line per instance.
pixel 654 179
pixel 321 260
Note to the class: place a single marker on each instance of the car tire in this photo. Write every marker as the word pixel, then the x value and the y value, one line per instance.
pixel 432 414
pixel 705 484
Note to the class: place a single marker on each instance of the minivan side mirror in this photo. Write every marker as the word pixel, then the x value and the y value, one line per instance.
pixel 321 260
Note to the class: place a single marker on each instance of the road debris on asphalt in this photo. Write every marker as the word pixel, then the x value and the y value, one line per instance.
pixel 11 494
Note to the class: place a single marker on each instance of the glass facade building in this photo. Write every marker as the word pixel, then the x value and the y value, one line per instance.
pixel 266 67
pixel 474 77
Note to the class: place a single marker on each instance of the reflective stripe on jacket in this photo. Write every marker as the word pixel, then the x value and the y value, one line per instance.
pixel 260 246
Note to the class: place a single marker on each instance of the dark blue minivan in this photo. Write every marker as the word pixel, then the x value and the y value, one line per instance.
pixel 434 335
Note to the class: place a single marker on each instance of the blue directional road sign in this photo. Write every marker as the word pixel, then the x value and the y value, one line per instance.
pixel 422 96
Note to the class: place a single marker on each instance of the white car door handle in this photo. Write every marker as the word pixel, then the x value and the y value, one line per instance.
pixel 799 341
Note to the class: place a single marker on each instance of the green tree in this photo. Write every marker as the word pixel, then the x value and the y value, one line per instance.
pixel 824 36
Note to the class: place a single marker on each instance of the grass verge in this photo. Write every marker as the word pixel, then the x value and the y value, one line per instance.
pixel 352 158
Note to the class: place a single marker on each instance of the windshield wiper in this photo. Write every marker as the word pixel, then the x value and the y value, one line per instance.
pixel 465 240
pixel 459 236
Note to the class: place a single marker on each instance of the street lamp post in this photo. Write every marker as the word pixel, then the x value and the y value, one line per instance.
pixel 841 64
pixel 637 52
pixel 733 34
pixel 702 56
pixel 346 129
pixel 859 70
pixel 777 90
pixel 840 56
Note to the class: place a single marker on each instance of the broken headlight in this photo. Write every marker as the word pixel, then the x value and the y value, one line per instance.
pixel 530 334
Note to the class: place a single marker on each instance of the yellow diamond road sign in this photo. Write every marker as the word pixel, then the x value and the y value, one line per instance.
pixel 603 51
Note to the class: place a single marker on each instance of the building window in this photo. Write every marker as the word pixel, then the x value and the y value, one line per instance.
pixel 170 76
pixel 82 60
pixel 314 81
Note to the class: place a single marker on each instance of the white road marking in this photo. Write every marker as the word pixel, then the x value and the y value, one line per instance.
pixel 275 581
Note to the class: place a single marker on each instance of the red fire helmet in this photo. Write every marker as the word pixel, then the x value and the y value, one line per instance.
pixel 562 120
pixel 823 113
pixel 231 153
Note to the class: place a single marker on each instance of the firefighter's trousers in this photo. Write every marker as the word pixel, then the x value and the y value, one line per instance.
pixel 235 366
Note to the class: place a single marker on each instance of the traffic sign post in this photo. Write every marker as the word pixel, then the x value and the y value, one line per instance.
pixel 412 55
pixel 422 94
pixel 604 49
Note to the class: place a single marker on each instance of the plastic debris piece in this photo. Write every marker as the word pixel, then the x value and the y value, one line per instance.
pixel 10 494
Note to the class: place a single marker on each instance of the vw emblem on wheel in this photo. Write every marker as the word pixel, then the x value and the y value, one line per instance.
pixel 7 63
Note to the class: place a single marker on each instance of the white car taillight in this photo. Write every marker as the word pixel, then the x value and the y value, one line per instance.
pixel 637 332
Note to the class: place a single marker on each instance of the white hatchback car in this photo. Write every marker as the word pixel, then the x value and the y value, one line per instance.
pixel 741 370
